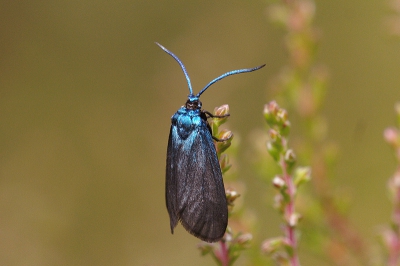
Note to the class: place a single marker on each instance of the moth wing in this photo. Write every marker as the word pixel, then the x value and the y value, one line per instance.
pixel 201 200
pixel 171 180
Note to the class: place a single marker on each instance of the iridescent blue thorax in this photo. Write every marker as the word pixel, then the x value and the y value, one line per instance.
pixel 189 117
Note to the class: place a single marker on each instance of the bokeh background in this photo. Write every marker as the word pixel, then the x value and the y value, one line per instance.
pixel 85 104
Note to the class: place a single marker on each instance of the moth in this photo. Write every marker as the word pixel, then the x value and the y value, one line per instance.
pixel 194 189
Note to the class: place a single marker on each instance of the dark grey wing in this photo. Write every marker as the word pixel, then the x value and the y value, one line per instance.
pixel 201 200
pixel 171 179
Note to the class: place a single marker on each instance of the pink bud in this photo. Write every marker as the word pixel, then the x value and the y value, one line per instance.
pixel 222 110
pixel 391 135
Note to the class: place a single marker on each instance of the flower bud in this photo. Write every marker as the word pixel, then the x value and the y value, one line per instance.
pixel 224 163
pixel 278 182
pixel 290 159
pixel 276 139
pixel 223 113
pixel 397 108
pixel 282 116
pixel 223 110
pixel 244 238
pixel 396 180
pixel 225 135
pixel 285 128
pixel 302 175
pixel 394 186
pixel 272 245
pixel 273 134
pixel 391 136
pixel 270 112
pixel 205 248
pixel 231 196
pixel 273 151
pixel 293 219
pixel 279 203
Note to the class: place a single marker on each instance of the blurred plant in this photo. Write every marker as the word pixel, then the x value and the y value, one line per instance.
pixel 284 249
pixel 393 22
pixel 301 88
pixel 227 250
pixel 391 234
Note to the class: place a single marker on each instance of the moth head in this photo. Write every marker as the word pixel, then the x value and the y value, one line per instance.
pixel 193 103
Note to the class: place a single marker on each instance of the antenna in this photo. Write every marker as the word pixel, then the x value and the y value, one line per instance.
pixel 233 72
pixel 181 64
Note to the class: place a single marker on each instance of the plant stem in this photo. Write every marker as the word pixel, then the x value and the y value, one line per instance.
pixel 290 213
pixel 223 254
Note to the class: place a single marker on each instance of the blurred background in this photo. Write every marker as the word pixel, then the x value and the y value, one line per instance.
pixel 85 104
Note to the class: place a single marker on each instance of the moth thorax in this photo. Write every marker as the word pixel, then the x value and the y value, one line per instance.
pixel 193 104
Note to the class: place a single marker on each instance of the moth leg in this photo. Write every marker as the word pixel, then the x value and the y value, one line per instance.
pixel 224 139
pixel 205 115
pixel 215 116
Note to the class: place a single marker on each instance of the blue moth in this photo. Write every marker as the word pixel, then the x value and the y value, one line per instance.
pixel 194 190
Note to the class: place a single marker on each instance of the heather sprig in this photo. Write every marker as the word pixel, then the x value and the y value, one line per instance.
pixel 284 249
pixel 301 87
